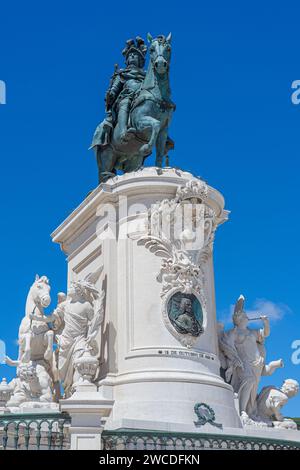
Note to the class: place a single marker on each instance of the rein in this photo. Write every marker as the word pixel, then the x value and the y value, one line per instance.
pixel 164 105
pixel 32 313
pixel 141 95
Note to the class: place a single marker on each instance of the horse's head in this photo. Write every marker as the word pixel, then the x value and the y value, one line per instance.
pixel 40 291
pixel 160 53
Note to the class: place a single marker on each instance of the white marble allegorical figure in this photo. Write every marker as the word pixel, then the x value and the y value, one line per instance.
pixel 82 314
pixel 244 355
pixel 33 386
pixel 35 359
pixel 271 400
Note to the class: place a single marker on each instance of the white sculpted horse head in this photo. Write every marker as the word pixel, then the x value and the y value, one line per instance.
pixel 38 298
pixel 39 295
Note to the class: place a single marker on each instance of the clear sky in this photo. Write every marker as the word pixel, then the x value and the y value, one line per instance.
pixel 233 64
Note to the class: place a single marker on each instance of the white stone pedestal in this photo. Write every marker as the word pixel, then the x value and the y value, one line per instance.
pixel 87 409
pixel 152 376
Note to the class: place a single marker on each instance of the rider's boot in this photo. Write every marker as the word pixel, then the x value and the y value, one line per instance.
pixel 122 122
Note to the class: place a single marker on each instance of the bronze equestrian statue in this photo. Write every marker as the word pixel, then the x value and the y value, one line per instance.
pixel 138 110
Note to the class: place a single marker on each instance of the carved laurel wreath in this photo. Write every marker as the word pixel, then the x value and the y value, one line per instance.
pixel 205 414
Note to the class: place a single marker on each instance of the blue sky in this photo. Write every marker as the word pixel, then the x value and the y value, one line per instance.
pixel 235 125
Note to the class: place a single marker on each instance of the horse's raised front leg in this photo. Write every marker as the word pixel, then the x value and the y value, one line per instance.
pixel 105 160
pixel 145 123
pixel 26 346
pixel 161 146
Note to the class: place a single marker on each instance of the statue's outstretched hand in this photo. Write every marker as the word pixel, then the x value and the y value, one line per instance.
pixel 10 362
pixel 264 318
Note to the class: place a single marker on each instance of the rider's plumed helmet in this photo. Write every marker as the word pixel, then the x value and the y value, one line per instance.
pixel 138 45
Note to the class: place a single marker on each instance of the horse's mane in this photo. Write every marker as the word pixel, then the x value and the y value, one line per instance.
pixel 29 304
pixel 149 81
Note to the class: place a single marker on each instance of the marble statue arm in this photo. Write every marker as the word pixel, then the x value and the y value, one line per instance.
pixel 270 368
pixel 44 318
pixel 11 362
pixel 265 331
pixel 58 318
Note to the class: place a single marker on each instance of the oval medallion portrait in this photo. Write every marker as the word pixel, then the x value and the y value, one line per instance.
pixel 185 314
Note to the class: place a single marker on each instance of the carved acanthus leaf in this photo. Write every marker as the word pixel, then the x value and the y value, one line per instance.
pixel 194 190
pixel 158 246
pixel 183 264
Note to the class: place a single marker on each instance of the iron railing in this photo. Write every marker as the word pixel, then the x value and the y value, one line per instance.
pixel 50 431
pixel 156 440
pixel 47 431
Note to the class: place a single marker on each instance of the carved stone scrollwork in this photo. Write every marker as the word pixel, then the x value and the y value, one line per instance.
pixel 181 232
pixel 193 191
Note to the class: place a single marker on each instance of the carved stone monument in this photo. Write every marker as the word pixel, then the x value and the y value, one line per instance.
pixel 159 329
pixel 135 343
pixel 163 357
